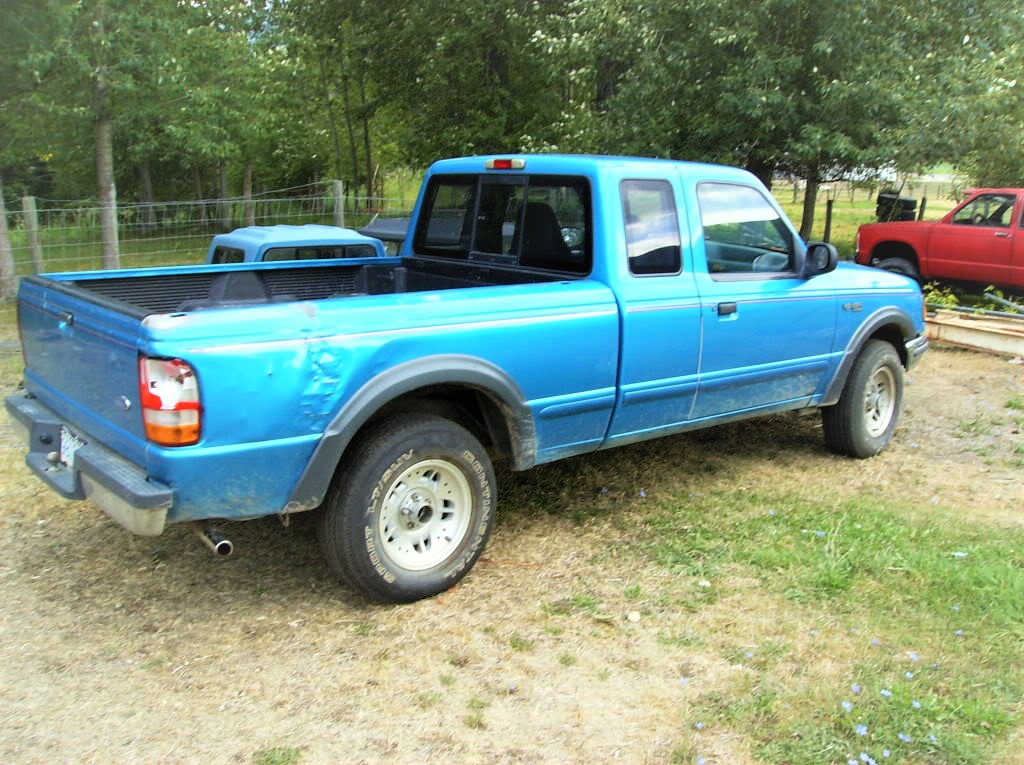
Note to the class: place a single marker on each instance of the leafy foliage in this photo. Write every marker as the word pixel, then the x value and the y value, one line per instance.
pixel 299 89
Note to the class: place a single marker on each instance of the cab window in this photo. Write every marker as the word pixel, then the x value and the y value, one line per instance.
pixel 743 233
pixel 652 227
pixel 223 254
pixel 991 210
pixel 534 221
pixel 319 252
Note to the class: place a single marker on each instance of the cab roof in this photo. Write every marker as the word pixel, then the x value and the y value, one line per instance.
pixel 254 237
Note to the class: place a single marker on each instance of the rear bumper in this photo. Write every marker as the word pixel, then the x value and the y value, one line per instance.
pixel 118 487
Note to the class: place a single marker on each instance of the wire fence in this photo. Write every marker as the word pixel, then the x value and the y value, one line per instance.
pixel 67 237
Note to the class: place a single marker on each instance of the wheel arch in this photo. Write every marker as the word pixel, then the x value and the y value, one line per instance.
pixel 892 325
pixel 476 394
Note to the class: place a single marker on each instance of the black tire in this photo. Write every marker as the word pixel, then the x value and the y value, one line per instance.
pixel 862 422
pixel 411 511
pixel 900 266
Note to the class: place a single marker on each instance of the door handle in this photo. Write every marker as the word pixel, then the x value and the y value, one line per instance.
pixel 1003 234
pixel 726 309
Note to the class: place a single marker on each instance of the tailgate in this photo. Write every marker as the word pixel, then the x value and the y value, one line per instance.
pixel 82 361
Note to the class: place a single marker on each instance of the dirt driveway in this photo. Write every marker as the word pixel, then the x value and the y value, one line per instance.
pixel 120 649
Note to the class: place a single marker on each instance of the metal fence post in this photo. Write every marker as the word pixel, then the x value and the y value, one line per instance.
pixel 338 191
pixel 28 206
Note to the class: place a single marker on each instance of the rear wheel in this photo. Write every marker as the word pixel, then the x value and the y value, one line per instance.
pixel 410 514
pixel 899 266
pixel 861 424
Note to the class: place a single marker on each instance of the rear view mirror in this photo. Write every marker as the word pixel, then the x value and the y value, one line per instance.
pixel 821 258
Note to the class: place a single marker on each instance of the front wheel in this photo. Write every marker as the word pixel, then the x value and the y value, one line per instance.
pixel 410 514
pixel 861 424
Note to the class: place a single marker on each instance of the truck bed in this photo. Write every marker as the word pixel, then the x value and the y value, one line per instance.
pixel 140 295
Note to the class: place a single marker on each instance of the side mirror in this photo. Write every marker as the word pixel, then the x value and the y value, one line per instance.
pixel 821 258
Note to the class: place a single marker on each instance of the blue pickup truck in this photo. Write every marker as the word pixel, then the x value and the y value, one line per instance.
pixel 312 241
pixel 541 307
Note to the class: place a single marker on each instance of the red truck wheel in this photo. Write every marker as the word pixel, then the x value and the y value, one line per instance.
pixel 411 512
pixel 861 424
pixel 899 266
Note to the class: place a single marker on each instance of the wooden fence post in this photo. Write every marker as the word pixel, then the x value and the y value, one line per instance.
pixel 338 190
pixel 28 206
pixel 920 209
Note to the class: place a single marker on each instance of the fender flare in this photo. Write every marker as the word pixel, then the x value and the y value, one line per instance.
pixel 386 387
pixel 883 317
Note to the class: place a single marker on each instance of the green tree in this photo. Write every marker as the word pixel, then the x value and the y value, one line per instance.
pixel 773 86
pixel 26 30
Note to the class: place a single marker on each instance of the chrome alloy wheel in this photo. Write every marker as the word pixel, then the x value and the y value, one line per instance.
pixel 425 515
pixel 880 401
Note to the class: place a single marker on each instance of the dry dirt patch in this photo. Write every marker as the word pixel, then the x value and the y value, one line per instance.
pixel 116 648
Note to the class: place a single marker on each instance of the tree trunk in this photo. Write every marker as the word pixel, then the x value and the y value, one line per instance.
pixel 146 196
pixel 810 200
pixel 370 174
pixel 249 209
pixel 331 118
pixel 764 170
pixel 351 130
pixel 8 281
pixel 197 190
pixel 104 135
pixel 225 205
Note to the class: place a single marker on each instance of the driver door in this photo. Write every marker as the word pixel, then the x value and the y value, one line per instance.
pixel 975 242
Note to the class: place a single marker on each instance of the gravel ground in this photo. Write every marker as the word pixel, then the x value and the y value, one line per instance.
pixel 120 649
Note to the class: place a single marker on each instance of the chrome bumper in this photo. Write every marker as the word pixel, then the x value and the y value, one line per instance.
pixel 118 487
pixel 916 349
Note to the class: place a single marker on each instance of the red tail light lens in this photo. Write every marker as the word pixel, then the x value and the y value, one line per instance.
pixel 169 392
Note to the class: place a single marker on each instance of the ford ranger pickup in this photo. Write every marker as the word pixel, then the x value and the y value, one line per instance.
pixel 540 307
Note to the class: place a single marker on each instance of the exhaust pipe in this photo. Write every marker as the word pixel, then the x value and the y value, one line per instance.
pixel 209 536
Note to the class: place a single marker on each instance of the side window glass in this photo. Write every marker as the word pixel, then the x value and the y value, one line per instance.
pixel 742 231
pixel 227 255
pixel 992 210
pixel 652 227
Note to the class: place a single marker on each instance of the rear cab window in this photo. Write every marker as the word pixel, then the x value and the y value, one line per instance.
pixel 652 227
pixel 744 236
pixel 319 252
pixel 534 221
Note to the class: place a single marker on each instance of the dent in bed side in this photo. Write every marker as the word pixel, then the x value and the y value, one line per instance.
pixel 447 370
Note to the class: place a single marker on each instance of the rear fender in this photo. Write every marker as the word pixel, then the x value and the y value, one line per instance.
pixel 389 386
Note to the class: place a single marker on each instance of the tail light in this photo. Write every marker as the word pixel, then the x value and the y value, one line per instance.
pixel 169 393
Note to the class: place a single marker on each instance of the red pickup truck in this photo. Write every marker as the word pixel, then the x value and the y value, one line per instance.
pixel 981 241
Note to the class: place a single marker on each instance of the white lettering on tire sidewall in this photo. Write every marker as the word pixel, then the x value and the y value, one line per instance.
pixel 479 525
